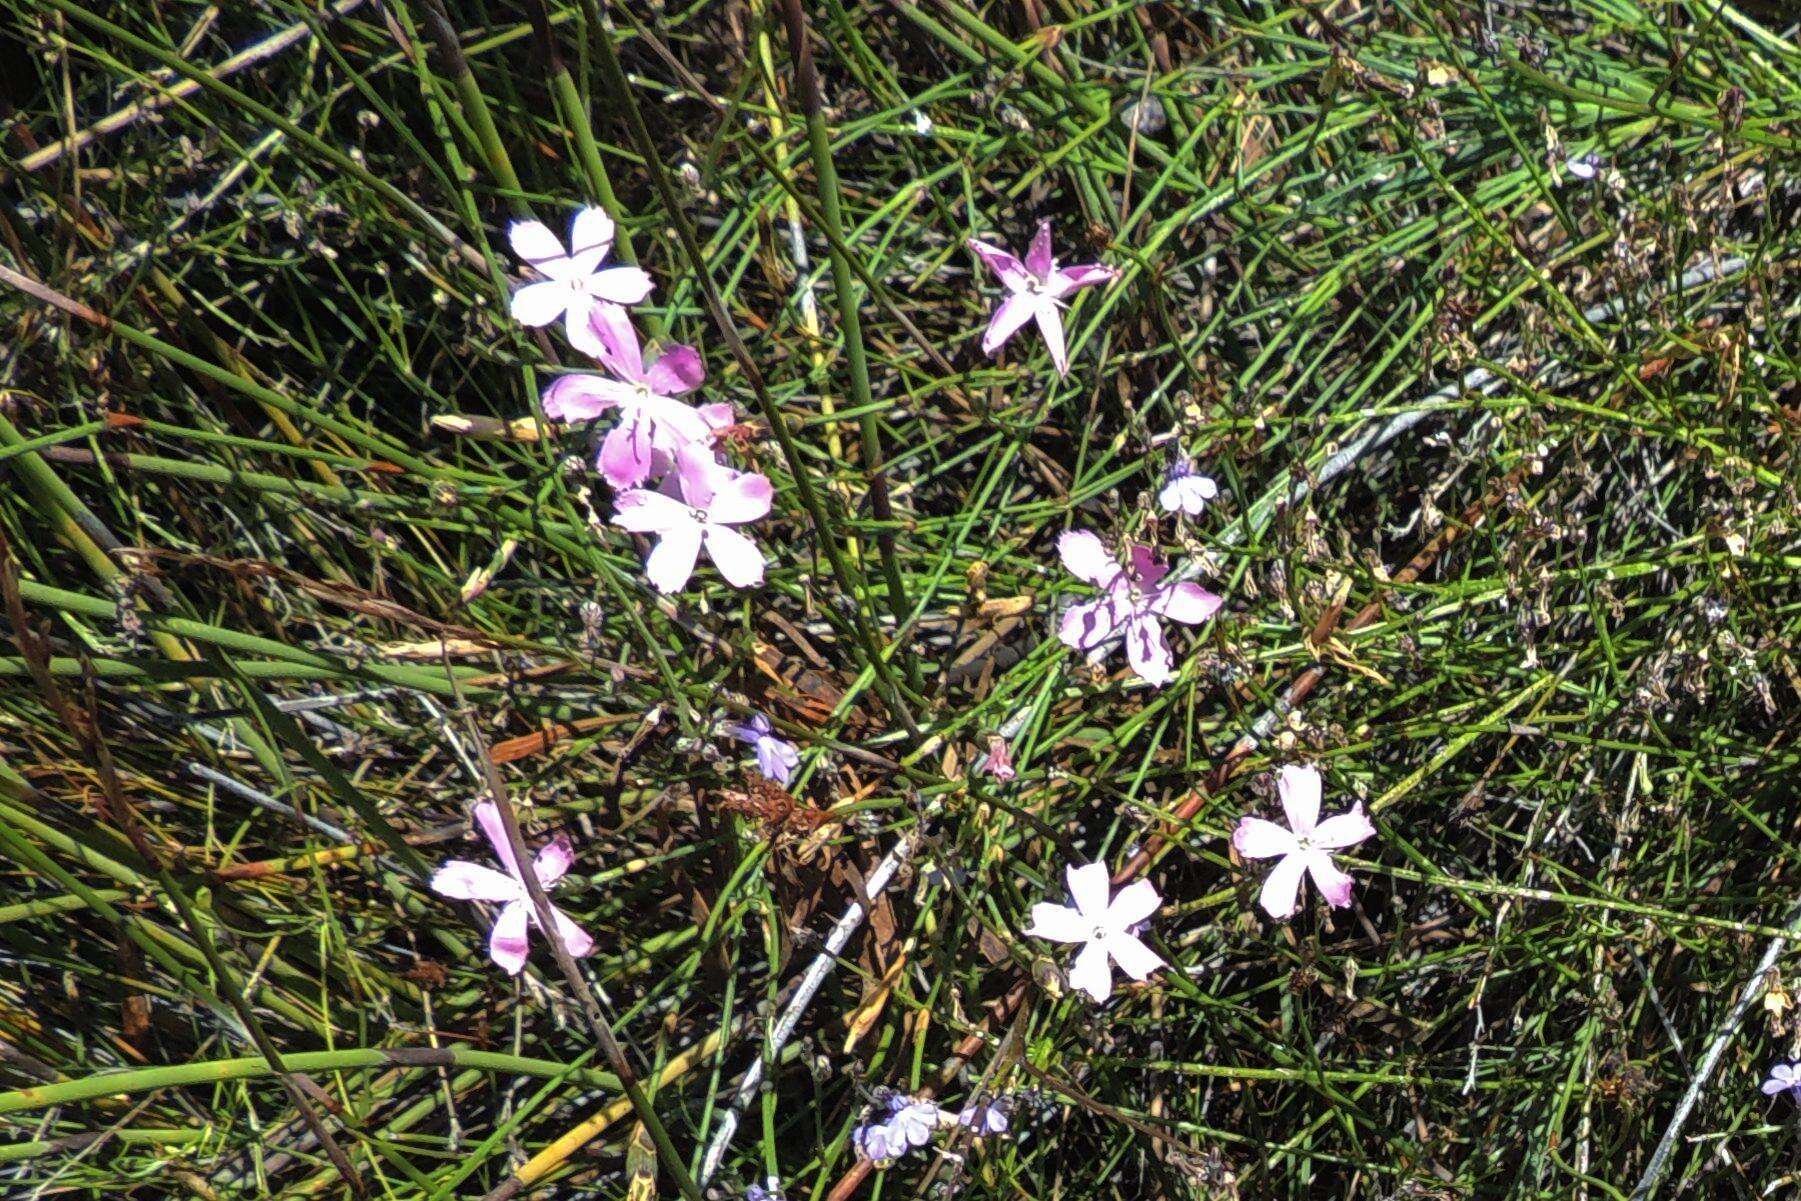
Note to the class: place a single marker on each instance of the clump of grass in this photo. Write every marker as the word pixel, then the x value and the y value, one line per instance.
pixel 1506 530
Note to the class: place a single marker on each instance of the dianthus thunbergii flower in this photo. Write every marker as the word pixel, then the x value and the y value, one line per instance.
pixel 714 499
pixel 776 757
pixel 653 425
pixel 1134 601
pixel 900 1124
pixel 1035 291
pixel 1103 926
pixel 1304 846
pixel 998 762
pixel 462 881
pixel 1186 490
pixel 574 286
pixel 1784 1078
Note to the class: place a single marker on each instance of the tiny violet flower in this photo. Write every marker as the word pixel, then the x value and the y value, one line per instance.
pixel 1134 599
pixel 653 425
pixel 1583 166
pixel 1186 490
pixel 507 943
pixel 1035 292
pixel 1103 926
pixel 899 1125
pixel 574 286
pixel 1784 1078
pixel 776 757
pixel 714 498
pixel 998 762
pixel 986 1117
pixel 772 1191
pixel 1304 846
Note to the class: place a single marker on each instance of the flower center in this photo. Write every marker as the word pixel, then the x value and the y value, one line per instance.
pixel 1100 934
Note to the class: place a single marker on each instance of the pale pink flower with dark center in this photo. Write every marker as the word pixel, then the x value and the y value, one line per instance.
pixel 652 425
pixel 1103 923
pixel 1035 292
pixel 1304 846
pixel 714 498
pixel 574 287
pixel 507 943
pixel 1134 601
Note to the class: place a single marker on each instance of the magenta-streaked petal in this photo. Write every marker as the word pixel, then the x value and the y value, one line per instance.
pixel 553 860
pixel 745 497
pixel 577 941
pixel 1039 260
pixel 1147 651
pixel 616 342
pixel 671 562
pixel 1009 315
pixel 1092 972
pixel 538 248
pixel 735 555
pixel 1050 324
pixel 1135 902
pixel 1299 787
pixel 507 945
pixel 1134 958
pixel 1187 603
pixel 679 370
pixel 1092 887
pixel 487 816
pixel 1333 884
pixel 582 397
pixel 1345 830
pixel 1059 923
pixel 1282 888
pixel 625 456
pixel 645 512
pixel 1256 838
pixel 1002 262
pixel 620 285
pixel 1087 625
pixel 1085 556
pixel 1071 279
pixel 590 237
pixel 540 303
pixel 461 881
pixel 1147 569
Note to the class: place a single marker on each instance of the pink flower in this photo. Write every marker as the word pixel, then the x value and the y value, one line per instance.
pixel 1035 291
pixel 1103 926
pixel 1186 490
pixel 1133 601
pixel 714 499
pixel 462 881
pixel 653 425
pixel 1303 846
pixel 998 762
pixel 574 286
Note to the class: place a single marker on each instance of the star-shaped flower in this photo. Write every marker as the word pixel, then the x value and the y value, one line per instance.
pixel 462 881
pixel 1035 292
pixel 714 500
pixel 1102 926
pixel 1304 846
pixel 574 286
pixel 1134 599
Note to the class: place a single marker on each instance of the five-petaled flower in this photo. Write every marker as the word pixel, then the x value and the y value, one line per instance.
pixel 462 881
pixel 1035 291
pixel 776 757
pixel 1134 599
pixel 1103 926
pixel 900 1124
pixel 1186 490
pixel 1784 1078
pixel 574 287
pixel 1304 846
pixel 653 425
pixel 714 499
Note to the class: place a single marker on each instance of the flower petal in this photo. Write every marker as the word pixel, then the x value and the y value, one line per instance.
pixel 540 303
pixel 488 818
pixel 1134 958
pixel 1187 603
pixel 1258 839
pixel 626 455
pixel 537 247
pixel 777 759
pixel 1009 315
pixel 1147 650
pixel 1070 279
pixel 1085 556
pixel 1039 260
pixel 671 561
pixel 1135 902
pixel 576 940
pixel 1299 788
pixel 616 342
pixel 590 237
pixel 553 860
pixel 645 512
pixel 1002 262
pixel 700 472
pixel 1059 923
pixel 620 285
pixel 507 944
pixel 1092 887
pixel 1050 324
pixel 743 498
pixel 1092 972
pixel 1187 494
pixel 582 397
pixel 679 370
pixel 1333 884
pixel 1282 887
pixel 461 881
pixel 1088 624
pixel 599 324
pixel 735 555
pixel 1345 830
